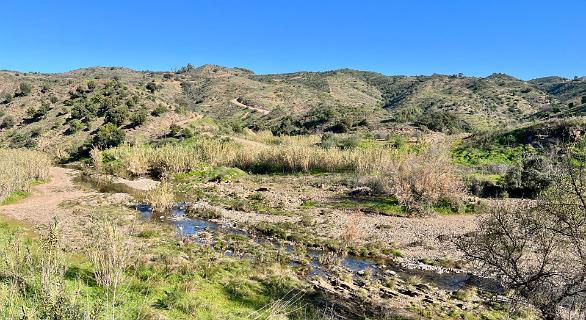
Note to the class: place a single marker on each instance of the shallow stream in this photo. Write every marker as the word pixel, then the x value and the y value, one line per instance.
pixel 191 228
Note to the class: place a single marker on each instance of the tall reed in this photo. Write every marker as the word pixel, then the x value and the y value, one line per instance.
pixel 18 167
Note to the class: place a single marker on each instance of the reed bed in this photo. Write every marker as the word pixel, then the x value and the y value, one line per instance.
pixel 291 156
pixel 20 167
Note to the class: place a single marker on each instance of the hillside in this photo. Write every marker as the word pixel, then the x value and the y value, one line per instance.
pixel 61 113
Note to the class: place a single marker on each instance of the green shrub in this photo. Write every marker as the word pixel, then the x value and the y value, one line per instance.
pixel 116 116
pixel 37 114
pixel 159 110
pixel 152 87
pixel 25 88
pixel 81 111
pixel 7 122
pixel 108 136
pixel 8 97
pixel 528 178
pixel 74 126
pixel 138 118
pixel 91 85
pixel 178 132
pixel 21 140
pixel 443 122
pixel 345 142
pixel 53 99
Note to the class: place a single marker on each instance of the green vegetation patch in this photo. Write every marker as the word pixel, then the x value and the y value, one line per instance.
pixel 382 205
pixel 14 197
pixel 211 173
pixel 496 155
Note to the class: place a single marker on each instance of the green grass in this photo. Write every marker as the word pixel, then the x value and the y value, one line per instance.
pixel 480 156
pixel 210 173
pixel 202 284
pixel 17 196
pixel 14 197
pixel 384 205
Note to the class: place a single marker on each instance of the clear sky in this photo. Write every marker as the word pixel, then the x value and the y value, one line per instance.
pixel 523 38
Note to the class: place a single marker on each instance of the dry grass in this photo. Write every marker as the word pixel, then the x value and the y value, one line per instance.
pixel 161 198
pixel 18 168
pixel 168 159
pixel 351 232
pixel 109 257
pixel 419 181
pixel 291 155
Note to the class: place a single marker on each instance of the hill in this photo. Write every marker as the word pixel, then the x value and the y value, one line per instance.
pixel 64 112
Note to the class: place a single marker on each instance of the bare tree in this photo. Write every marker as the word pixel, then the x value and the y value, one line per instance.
pixel 538 249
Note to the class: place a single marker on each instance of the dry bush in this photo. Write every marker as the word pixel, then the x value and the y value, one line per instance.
pixel 418 181
pixel 538 249
pixel 52 266
pixel 351 231
pixel 161 198
pixel 108 253
pixel 97 158
pixel 19 167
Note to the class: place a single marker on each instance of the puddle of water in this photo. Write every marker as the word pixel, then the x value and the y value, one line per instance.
pixel 192 227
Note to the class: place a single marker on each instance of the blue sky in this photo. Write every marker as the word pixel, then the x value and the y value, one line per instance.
pixel 523 38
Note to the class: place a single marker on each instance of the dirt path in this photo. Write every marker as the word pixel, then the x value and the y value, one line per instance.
pixel 46 203
pixel 242 105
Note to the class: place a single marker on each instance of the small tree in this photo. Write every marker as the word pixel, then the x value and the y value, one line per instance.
pixel 539 251
pixel 583 100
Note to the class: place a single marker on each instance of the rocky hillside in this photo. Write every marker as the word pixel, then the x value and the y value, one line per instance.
pixel 103 106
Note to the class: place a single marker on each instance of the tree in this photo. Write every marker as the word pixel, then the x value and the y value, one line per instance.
pixel 583 100
pixel 539 251
pixel 528 178
pixel 108 136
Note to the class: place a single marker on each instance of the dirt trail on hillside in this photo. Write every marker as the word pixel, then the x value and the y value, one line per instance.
pixel 45 203
pixel 242 105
